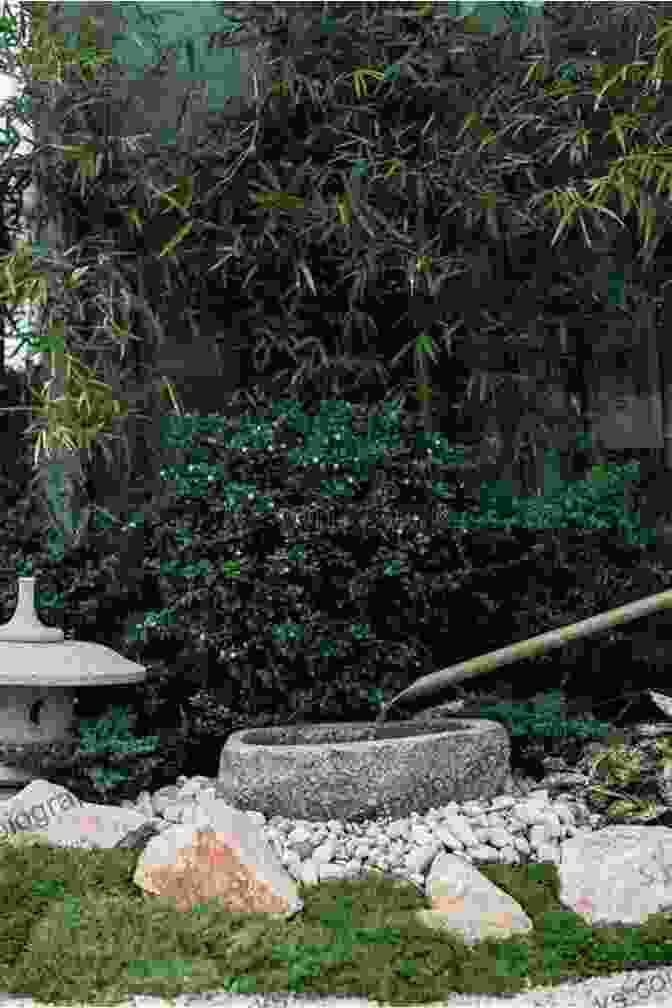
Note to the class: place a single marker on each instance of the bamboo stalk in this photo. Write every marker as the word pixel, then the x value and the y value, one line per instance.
pixel 531 647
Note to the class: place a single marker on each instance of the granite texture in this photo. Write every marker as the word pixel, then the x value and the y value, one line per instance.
pixel 356 781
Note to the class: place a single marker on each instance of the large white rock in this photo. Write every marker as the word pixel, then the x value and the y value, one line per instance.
pixel 617 875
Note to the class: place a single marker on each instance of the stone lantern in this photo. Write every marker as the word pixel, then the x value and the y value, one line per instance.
pixel 38 672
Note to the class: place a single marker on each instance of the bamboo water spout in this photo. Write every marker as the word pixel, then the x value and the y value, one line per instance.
pixel 530 648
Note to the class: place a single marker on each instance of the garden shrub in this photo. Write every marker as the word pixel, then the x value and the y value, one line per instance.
pixel 307 568
pixel 538 728
pixel 107 763
pixel 542 717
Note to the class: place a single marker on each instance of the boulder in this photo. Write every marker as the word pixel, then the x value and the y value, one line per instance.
pixel 618 875
pixel 231 861
pixel 463 900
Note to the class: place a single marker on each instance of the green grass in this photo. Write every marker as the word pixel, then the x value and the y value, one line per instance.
pixel 75 928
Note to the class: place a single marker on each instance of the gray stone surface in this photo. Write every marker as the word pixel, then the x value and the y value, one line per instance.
pixel 355 780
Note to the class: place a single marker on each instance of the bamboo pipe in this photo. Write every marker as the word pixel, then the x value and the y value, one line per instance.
pixel 530 648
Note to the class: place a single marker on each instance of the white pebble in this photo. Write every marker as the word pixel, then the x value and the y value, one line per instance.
pixel 508 829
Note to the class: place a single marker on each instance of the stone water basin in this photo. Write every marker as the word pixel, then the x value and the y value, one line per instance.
pixel 362 770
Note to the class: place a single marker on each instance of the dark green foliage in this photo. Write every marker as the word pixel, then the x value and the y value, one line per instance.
pixel 543 718
pixel 388 561
pixel 15 466
pixel 314 580
pixel 106 759
pixel 539 728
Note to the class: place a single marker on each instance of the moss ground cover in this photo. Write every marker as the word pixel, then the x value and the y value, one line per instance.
pixel 74 928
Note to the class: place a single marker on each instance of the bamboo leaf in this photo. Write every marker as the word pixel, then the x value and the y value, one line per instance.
pixel 177 238
pixel 180 196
